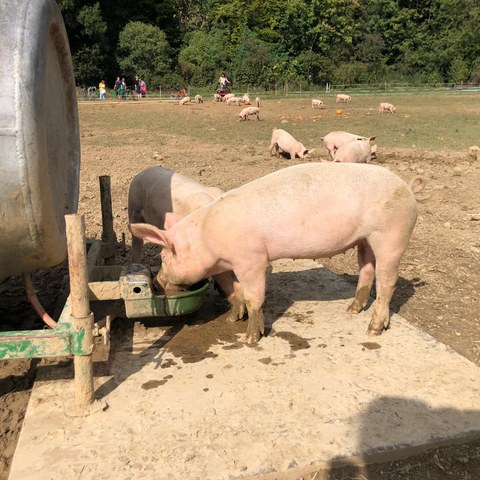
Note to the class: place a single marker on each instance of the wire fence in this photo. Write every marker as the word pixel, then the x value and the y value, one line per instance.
pixel 281 89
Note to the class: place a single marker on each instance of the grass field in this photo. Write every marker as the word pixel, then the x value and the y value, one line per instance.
pixel 433 121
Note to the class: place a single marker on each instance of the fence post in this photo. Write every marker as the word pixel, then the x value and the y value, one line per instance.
pixel 108 234
pixel 82 318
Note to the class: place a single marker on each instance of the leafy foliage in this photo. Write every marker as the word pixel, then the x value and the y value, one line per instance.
pixel 180 42
pixel 143 50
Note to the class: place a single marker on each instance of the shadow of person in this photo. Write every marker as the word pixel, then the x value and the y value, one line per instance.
pixel 394 428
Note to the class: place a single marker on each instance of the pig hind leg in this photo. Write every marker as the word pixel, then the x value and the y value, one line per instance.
pixel 388 255
pixel 273 148
pixel 366 264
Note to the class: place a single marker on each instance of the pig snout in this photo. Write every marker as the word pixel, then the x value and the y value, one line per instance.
pixel 159 282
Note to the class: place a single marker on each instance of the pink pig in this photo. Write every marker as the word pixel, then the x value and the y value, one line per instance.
pixel 284 141
pixel 358 151
pixel 156 191
pixel 335 140
pixel 341 97
pixel 386 107
pixel 313 210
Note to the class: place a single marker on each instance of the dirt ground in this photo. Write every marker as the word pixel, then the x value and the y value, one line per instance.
pixel 439 275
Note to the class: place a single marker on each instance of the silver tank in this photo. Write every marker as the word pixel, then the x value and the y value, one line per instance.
pixel 39 136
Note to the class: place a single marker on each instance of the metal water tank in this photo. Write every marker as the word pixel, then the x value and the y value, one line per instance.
pixel 39 136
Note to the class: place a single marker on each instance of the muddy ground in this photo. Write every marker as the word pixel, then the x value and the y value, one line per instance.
pixel 439 276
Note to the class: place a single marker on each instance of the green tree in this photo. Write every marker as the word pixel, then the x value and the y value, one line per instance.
pixel 252 60
pixel 143 50
pixel 87 63
pixel 202 58
pixel 90 18
pixel 314 68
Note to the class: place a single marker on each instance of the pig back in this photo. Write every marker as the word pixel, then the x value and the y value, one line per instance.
pixel 312 210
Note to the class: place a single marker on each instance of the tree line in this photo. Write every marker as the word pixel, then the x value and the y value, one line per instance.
pixel 173 43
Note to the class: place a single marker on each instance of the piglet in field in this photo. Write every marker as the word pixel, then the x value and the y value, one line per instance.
pixel 386 108
pixel 184 101
pixel 246 112
pixel 358 151
pixel 313 210
pixel 334 140
pixel 317 103
pixel 282 140
pixel 342 98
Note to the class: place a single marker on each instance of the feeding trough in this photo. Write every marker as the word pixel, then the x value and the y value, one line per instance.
pixel 133 284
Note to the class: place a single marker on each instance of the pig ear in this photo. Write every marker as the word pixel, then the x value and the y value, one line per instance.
pixel 371 139
pixel 150 233
pixel 171 219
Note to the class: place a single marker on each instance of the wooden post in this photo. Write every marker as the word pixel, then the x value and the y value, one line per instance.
pixel 108 234
pixel 82 318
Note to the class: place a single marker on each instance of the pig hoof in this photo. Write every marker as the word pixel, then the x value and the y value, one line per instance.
pixel 374 332
pixel 232 317
pixel 252 338
pixel 236 313
pixel 354 308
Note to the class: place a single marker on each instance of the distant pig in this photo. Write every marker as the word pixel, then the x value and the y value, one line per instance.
pixel 342 98
pixel 184 101
pixel 198 98
pixel 257 101
pixel 358 151
pixel 317 103
pixel 217 97
pixel 313 210
pixel 246 112
pixel 236 100
pixel 386 107
pixel 282 140
pixel 335 140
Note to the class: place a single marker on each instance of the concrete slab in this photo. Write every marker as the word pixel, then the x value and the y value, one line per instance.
pixel 193 402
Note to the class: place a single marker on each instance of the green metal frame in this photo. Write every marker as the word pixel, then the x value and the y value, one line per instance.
pixel 131 284
pixel 59 341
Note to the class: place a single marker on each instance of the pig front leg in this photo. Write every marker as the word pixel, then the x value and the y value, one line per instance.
pixel 253 283
pixel 255 326
pixel 232 291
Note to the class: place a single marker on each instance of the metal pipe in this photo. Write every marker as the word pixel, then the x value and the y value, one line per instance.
pixel 82 318
pixel 33 299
